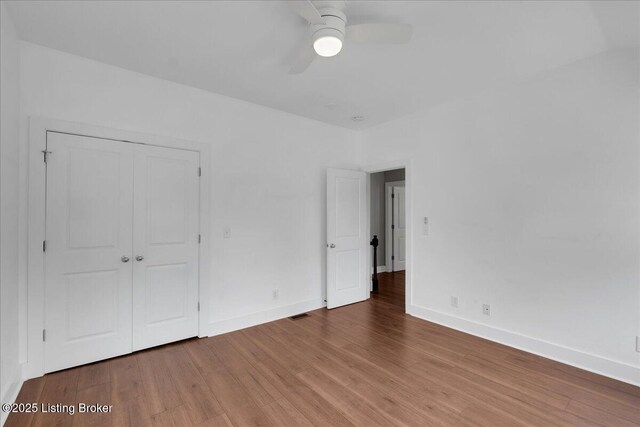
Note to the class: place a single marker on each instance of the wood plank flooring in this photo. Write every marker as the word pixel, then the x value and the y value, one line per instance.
pixel 367 364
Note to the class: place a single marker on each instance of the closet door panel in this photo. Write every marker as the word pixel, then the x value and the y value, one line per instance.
pixel 88 272
pixel 166 224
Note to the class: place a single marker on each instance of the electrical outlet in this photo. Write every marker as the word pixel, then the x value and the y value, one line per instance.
pixel 226 233
pixel 276 293
pixel 454 302
pixel 486 309
pixel 638 344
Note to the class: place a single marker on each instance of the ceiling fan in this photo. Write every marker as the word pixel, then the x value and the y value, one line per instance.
pixel 328 29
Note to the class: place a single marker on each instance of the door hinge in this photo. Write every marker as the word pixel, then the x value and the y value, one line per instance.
pixel 44 335
pixel 198 305
pixel 45 154
pixel 393 196
pixel 199 238
pixel 44 246
pixel 392 257
pixel 199 171
pixel 393 226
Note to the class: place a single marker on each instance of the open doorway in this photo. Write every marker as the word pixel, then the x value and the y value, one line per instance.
pixel 388 225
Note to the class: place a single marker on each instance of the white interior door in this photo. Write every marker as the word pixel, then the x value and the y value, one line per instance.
pixel 88 271
pixel 347 237
pixel 165 243
pixel 399 229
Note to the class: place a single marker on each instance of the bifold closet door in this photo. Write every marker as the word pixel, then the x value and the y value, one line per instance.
pixel 88 270
pixel 165 245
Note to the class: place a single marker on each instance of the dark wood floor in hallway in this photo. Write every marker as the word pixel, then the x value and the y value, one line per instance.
pixel 366 364
pixel 391 290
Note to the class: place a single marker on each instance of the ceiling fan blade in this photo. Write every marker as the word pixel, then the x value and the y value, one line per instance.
pixel 380 33
pixel 307 10
pixel 303 60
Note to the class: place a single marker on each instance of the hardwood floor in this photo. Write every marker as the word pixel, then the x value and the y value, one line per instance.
pixel 391 289
pixel 366 364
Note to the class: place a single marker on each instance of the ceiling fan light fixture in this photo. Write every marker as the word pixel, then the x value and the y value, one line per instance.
pixel 327 42
pixel 328 26
pixel 327 46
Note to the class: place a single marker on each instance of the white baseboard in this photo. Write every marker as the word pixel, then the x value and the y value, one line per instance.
pixel 381 269
pixel 590 362
pixel 253 319
pixel 9 397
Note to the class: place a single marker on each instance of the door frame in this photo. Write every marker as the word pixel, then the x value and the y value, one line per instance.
pixel 408 181
pixel 38 128
pixel 388 214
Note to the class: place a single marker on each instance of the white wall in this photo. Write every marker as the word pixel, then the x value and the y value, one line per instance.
pixel 10 375
pixel 532 194
pixel 268 182
pixel 533 199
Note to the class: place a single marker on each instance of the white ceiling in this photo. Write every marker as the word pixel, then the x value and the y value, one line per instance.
pixel 242 48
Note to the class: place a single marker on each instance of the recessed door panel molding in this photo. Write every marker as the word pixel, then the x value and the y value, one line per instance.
pixel 88 230
pixel 92 304
pixel 347 278
pixel 165 242
pixel 92 198
pixel 347 271
pixel 167 200
pixel 347 207
pixel 167 293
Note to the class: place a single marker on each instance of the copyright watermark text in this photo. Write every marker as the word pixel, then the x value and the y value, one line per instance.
pixel 80 408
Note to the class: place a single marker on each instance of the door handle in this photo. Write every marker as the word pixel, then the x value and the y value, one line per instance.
pixel 332 246
pixel 124 259
pixel 139 258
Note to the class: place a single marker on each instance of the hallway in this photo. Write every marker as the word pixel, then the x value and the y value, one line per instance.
pixel 391 289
